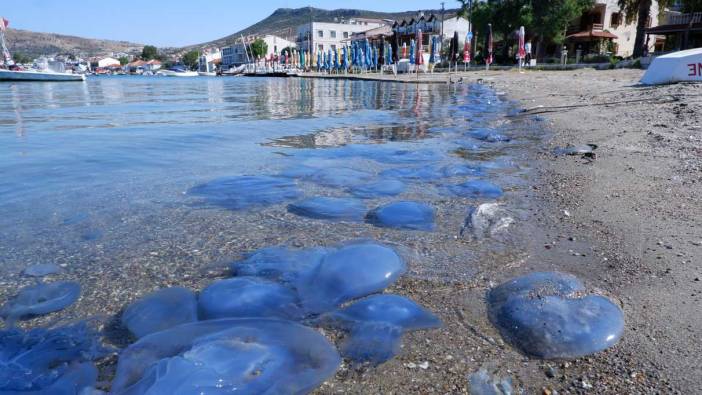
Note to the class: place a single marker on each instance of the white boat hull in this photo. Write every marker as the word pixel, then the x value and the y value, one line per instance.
pixel 681 66
pixel 171 73
pixel 207 73
pixel 10 75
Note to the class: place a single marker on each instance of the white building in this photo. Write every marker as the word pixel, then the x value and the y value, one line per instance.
pixel 604 23
pixel 323 36
pixel 208 60
pixel 431 25
pixel 236 54
pixel 108 62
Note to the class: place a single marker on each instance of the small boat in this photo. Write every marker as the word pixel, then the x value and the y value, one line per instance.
pixel 46 71
pixel 177 71
pixel 681 66
pixel 207 73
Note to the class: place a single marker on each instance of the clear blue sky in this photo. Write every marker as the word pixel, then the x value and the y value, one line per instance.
pixel 169 22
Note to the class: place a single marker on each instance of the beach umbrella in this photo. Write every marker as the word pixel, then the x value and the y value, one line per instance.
pixel 375 56
pixel 466 47
pixel 488 46
pixel 345 59
pixel 420 49
pixel 404 50
pixel 456 47
pixel 369 54
pixel 302 59
pixel 395 47
pixel 388 55
pixel 319 61
pixel 335 56
pixel 412 50
pixel 381 50
pixel 522 51
pixel 432 44
pixel 330 60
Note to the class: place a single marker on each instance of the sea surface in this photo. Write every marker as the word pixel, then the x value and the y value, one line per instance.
pixel 109 178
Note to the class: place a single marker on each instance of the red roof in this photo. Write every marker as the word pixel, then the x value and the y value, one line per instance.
pixel 588 34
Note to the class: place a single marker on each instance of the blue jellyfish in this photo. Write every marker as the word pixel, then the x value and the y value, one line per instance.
pixel 425 173
pixel 476 189
pixel 488 135
pixel 403 215
pixel 39 299
pixel 550 315
pixel 330 208
pixel 339 177
pixel 375 326
pixel 41 269
pixel 380 188
pixel 240 297
pixel 246 355
pixel 243 192
pixel 160 310
pixel 461 170
pixel 50 361
pixel 350 272
pixel 279 263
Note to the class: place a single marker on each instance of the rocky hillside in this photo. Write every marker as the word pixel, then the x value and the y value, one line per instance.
pixel 36 44
pixel 284 21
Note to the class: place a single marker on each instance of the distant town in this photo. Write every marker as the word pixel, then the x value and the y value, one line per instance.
pixel 599 32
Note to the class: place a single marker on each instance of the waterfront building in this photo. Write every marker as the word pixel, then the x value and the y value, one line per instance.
pixel 323 36
pixel 431 25
pixel 236 54
pixel 676 31
pixel 209 59
pixel 603 30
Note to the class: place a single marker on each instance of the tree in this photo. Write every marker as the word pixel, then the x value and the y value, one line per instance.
pixel 641 11
pixel 551 19
pixel 149 52
pixel 259 48
pixel 123 60
pixel 21 58
pixel 191 59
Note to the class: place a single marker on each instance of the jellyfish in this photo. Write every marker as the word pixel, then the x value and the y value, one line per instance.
pixel 41 269
pixel 380 188
pixel 403 215
pixel 39 299
pixel 248 297
pixel 476 189
pixel 243 192
pixel 247 355
pixel 329 208
pixel 551 315
pixel 279 263
pixel 160 310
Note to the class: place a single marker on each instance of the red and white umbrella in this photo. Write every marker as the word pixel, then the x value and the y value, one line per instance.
pixel 488 58
pixel 522 51
pixel 466 48
pixel 420 50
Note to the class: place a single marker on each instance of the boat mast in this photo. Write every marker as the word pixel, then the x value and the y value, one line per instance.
pixel 7 58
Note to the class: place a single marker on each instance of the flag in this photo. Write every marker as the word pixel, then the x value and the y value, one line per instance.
pixel 4 23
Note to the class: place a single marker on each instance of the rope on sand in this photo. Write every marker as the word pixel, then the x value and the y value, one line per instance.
pixel 543 109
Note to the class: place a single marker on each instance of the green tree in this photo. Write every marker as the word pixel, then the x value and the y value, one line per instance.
pixel 641 11
pixel 21 58
pixel 191 59
pixel 149 52
pixel 259 48
pixel 123 60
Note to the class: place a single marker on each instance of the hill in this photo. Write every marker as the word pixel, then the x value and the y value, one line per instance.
pixel 35 44
pixel 284 21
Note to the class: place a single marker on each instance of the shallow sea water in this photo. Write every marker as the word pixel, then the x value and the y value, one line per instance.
pixel 118 180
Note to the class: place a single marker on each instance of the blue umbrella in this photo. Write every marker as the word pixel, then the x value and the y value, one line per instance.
pixel 336 60
pixel 319 61
pixel 329 59
pixel 412 47
pixel 375 56
pixel 345 64
pixel 431 50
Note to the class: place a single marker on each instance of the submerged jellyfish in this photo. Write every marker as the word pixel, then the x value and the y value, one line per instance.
pixel 340 209
pixel 160 310
pixel 41 269
pixel 488 219
pixel 403 215
pixel 339 177
pixel 49 361
pixel 248 297
pixel 375 326
pixel 42 298
pixel 246 355
pixel 549 315
pixel 413 173
pixel 350 272
pixel 476 188
pixel 386 187
pixel 279 263
pixel 488 135
pixel 242 192
pixel 461 170
pixel 482 383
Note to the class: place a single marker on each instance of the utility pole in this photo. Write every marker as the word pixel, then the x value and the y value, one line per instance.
pixel 442 21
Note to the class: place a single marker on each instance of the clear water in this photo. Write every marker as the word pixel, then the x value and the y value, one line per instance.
pixel 95 176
